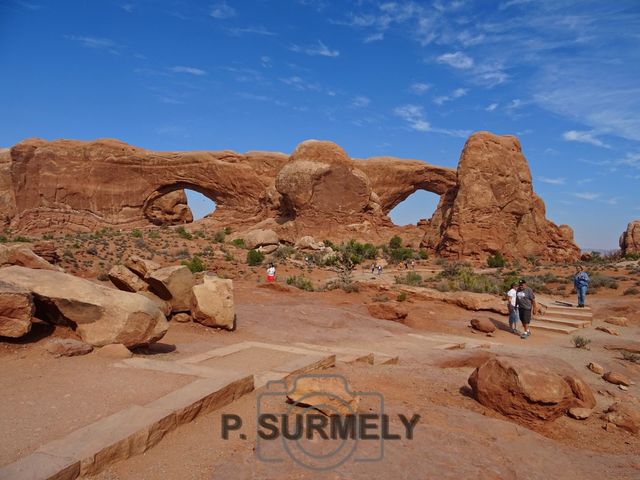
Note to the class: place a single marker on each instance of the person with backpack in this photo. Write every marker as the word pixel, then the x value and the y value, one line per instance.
pixel 527 307
pixel 581 281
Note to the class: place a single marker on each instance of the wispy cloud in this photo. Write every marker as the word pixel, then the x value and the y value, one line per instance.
pixel 360 101
pixel 374 37
pixel 587 195
pixel 254 30
pixel 584 137
pixel 552 181
pixel 222 11
pixel 457 93
pixel 97 43
pixel 491 107
pixel 301 84
pixel 265 61
pixel 456 60
pixel 584 180
pixel 127 7
pixel 189 70
pixel 415 118
pixel 419 88
pixel 315 50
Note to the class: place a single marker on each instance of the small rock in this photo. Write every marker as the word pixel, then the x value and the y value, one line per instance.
pixel 67 347
pixel 624 416
pixel 388 311
pixel 115 350
pixel 622 387
pixel 610 331
pixel 483 325
pixel 329 395
pixel 267 249
pixel 596 368
pixel 619 321
pixel 580 413
pixel 181 318
pixel 616 378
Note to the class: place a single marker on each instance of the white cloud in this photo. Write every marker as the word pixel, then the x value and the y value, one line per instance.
pixel 419 88
pixel 360 102
pixel 457 93
pixel 92 42
pixel 127 7
pixel 491 107
pixel 320 49
pixel 374 37
pixel 255 30
pixel 631 160
pixel 584 137
pixel 587 195
pixel 265 61
pixel 415 118
pixel 456 60
pixel 190 70
pixel 584 180
pixel 222 11
pixel 552 181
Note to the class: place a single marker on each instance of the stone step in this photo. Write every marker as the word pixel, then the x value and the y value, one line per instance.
pixel 552 327
pixel 572 307
pixel 571 322
pixel 578 315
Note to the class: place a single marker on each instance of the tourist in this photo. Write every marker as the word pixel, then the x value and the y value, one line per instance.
pixel 581 282
pixel 413 264
pixel 511 306
pixel 271 273
pixel 379 269
pixel 526 303
pixel 373 268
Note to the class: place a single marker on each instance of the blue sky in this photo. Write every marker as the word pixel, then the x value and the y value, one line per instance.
pixel 408 79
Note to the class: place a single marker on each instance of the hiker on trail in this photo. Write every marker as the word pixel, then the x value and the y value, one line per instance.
pixel 413 264
pixel 373 268
pixel 379 269
pixel 511 306
pixel 271 273
pixel 526 303
pixel 581 282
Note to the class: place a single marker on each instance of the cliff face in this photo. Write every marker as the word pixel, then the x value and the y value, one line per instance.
pixel 487 205
pixel 630 239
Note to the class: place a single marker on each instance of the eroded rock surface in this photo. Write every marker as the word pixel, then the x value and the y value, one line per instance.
pixel 630 239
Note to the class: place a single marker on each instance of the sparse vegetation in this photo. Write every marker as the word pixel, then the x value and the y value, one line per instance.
pixel 182 233
pixel 136 233
pixel 409 278
pixel 581 342
pixel 598 280
pixel 21 238
pixel 301 282
pixel 402 296
pixel 395 242
pixel 238 242
pixel 631 291
pixel 380 298
pixel 3 239
pixel 254 258
pixel 153 234
pixel 496 260
pixel 219 236
pixel 195 264
pixel 631 357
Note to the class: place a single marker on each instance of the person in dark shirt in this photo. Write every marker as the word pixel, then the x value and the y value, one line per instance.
pixel 526 304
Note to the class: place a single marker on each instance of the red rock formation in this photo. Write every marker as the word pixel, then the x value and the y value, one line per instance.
pixel 487 206
pixel 630 239
pixel 493 208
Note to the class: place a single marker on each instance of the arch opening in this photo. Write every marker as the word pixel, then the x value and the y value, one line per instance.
pixel 420 205
pixel 199 204
pixel 178 204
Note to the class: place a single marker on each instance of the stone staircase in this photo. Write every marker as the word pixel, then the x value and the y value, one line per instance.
pixel 561 317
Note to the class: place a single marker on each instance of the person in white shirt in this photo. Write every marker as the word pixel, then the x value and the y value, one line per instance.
pixel 271 273
pixel 513 311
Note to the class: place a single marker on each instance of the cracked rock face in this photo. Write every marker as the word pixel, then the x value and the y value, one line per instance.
pixel 630 239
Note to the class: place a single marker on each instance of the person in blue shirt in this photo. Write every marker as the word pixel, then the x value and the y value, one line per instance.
pixel 581 282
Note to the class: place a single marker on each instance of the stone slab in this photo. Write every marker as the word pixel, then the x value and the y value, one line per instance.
pixel 41 466
pixel 306 364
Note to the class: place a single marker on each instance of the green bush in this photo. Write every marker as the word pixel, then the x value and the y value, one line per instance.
pixel 183 233
pixel 3 239
pixel 409 278
pixel 154 234
pixel 195 264
pixel 599 280
pixel 632 256
pixel 20 238
pixel 330 244
pixel 423 254
pixel 219 236
pixel 301 282
pixel 402 296
pixel 401 254
pixel 254 258
pixel 227 230
pixel 581 342
pixel 284 251
pixel 47 236
pixel 136 233
pixel 496 260
pixel 356 252
pixel 395 242
pixel 238 242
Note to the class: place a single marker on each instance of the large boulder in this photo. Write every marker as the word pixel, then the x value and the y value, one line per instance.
pixel 169 209
pixel 493 208
pixel 100 315
pixel 260 238
pixel 625 416
pixel 173 284
pixel 141 266
pixel 630 239
pixel 24 257
pixel 483 325
pixel 16 310
pixel 212 303
pixel 530 389
pixel 388 311
pixel 125 279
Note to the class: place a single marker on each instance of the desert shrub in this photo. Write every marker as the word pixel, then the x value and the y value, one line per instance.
pixel 402 296
pixel 630 356
pixel 454 269
pixel 496 260
pixel 47 236
pixel 330 244
pixel 136 233
pixel 21 238
pixel 254 258
pixel 631 291
pixel 103 277
pixel 632 256
pixel 401 254
pixel 238 242
pixel 599 280
pixel 358 252
pixel 533 260
pixel 581 342
pixel 284 251
pixel 423 254
pixel 227 230
pixel 395 242
pixel 301 282
pixel 153 234
pixel 380 298
pixel 199 233
pixel 3 239
pixel 195 264
pixel 219 236
pixel 409 278
pixel 182 233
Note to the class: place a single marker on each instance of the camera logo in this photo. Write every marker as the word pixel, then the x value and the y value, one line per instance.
pixel 315 421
